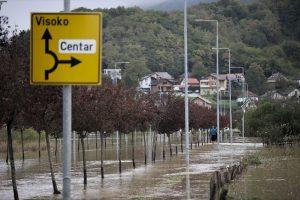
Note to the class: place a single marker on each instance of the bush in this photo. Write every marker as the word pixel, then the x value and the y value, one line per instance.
pixel 274 121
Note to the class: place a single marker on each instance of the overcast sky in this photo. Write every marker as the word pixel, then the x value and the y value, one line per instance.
pixel 19 11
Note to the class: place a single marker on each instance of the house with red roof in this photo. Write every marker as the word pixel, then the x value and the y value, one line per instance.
pixel 193 85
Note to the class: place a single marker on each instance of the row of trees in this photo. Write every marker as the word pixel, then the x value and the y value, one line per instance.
pixel 105 109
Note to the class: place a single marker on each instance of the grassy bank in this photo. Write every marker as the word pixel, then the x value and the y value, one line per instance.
pixel 31 139
pixel 277 177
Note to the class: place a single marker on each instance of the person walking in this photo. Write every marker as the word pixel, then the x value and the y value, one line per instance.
pixel 213 134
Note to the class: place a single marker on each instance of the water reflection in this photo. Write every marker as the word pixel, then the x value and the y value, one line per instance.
pixel 276 178
pixel 167 179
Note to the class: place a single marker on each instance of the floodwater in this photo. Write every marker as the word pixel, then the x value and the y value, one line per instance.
pixel 164 179
pixel 278 177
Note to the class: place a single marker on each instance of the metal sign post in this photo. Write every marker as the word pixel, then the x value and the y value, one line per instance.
pixel 67 129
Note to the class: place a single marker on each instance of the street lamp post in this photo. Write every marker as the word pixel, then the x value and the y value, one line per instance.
pixel 186 103
pixel 186 100
pixel 217 70
pixel 230 106
pixel 243 109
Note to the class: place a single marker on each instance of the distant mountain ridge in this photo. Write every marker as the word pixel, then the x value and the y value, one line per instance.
pixel 171 5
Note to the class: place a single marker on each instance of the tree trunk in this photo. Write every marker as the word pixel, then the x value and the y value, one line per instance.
pixel 201 136
pixel 164 142
pixel 170 146
pixel 7 152
pixel 191 139
pixel 22 140
pixel 181 141
pixel 87 142
pixel 55 190
pixel 155 143
pixel 198 140
pixel 120 163
pixel 55 152
pixel 207 135
pixel 96 140
pixel 145 148
pixel 153 146
pixel 176 142
pixel 83 160
pixel 11 159
pixel 78 146
pixel 102 170
pixel 132 146
pixel 39 145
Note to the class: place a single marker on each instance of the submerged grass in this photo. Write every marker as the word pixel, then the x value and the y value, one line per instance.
pixel 252 160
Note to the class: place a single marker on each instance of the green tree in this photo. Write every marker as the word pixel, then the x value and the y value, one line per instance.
pixel 135 70
pixel 256 79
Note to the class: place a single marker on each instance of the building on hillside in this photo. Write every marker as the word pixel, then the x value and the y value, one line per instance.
pixel 297 79
pixel 294 93
pixel 208 85
pixel 157 82
pixel 114 74
pixel 251 96
pixel 274 95
pixel 198 99
pixel 193 85
pixel 274 78
pixel 201 101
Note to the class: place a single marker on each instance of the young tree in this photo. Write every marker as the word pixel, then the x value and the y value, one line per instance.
pixel 44 114
pixel 171 117
pixel 13 81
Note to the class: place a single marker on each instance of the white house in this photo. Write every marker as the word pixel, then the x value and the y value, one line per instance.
pixel 156 82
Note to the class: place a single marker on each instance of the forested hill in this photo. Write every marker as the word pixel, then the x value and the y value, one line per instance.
pixel 263 36
pixel 171 5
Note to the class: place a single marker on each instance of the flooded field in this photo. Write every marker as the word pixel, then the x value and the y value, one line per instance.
pixel 164 179
pixel 278 177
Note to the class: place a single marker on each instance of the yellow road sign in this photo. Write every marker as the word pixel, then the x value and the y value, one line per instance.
pixel 66 48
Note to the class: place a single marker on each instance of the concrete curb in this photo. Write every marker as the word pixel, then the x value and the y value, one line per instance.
pixel 221 179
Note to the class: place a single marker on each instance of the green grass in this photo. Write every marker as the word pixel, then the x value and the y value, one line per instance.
pixel 253 160
pixel 223 103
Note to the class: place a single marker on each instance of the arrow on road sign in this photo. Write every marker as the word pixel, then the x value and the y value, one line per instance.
pixel 73 61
